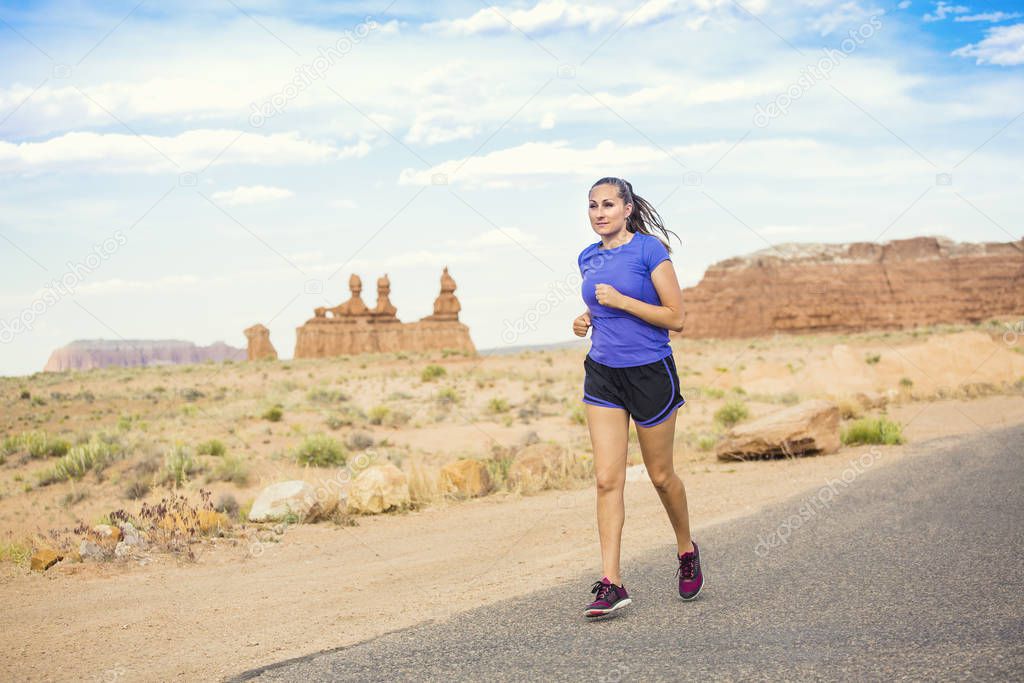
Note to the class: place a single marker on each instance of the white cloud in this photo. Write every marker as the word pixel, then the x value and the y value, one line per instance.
pixel 251 194
pixel 943 10
pixel 1002 45
pixel 498 238
pixel 845 14
pixel 342 203
pixel 991 17
pixel 904 4
pixel 188 151
pixel 547 121
pixel 564 15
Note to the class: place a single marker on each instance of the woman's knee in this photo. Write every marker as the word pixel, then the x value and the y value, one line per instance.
pixel 663 479
pixel 610 483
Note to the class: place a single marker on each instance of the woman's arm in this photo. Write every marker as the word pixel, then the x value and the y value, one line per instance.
pixel 668 315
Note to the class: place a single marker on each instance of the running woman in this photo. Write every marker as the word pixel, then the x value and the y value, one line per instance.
pixel 633 299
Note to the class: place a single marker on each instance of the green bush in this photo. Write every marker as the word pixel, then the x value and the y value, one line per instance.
pixel 179 465
pixel 321 450
pixel 99 451
pixel 732 412
pixel 326 396
pixel 211 447
pixel 872 358
pixel 498 405
pixel 274 413
pixel 231 468
pixel 872 430
pixel 36 445
pixel 432 372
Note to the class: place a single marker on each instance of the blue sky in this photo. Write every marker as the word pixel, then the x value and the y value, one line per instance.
pixel 185 170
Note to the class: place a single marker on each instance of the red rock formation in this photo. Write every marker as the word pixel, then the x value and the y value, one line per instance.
pixel 807 288
pixel 101 353
pixel 352 327
pixel 259 343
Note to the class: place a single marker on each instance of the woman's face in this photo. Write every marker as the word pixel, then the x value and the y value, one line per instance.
pixel 608 213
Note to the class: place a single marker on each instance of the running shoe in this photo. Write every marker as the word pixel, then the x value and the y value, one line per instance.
pixel 691 578
pixel 609 598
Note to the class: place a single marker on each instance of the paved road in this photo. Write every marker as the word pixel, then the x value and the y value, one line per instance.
pixel 911 571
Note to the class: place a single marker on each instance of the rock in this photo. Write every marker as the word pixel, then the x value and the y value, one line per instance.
pixel 44 558
pixel 105 535
pixel 123 550
pixel 806 287
pixel 533 463
pixel 132 536
pixel 378 488
pixel 278 500
pixel 93 551
pixel 466 477
pixel 353 327
pixel 130 353
pixel 259 343
pixel 809 428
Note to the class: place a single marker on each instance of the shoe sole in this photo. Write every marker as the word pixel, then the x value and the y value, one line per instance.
pixel 600 613
pixel 703 582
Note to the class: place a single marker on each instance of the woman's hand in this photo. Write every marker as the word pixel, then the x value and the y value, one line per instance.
pixel 580 324
pixel 609 296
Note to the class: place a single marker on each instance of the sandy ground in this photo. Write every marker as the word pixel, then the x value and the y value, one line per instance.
pixel 321 587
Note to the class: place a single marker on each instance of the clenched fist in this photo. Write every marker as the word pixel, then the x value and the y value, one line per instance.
pixel 580 324
pixel 607 295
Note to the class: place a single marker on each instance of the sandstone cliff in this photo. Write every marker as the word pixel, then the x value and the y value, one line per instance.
pixel 807 288
pixel 100 353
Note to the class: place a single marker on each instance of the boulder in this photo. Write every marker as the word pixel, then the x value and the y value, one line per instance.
pixel 378 488
pixel 276 501
pixel 44 558
pixel 466 477
pixel 88 550
pixel 105 535
pixel 809 428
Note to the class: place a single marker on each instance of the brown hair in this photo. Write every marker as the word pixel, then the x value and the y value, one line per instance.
pixel 643 218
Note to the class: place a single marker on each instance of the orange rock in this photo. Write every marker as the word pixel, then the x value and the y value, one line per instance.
pixel 44 558
pixel 467 477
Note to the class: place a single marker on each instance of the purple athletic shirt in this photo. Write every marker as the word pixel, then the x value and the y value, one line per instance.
pixel 620 339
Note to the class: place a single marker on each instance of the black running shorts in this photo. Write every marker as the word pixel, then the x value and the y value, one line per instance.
pixel 649 393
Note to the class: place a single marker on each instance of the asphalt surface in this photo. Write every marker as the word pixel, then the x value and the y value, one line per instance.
pixel 911 571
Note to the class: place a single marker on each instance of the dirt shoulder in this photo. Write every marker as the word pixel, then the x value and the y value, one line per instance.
pixel 322 586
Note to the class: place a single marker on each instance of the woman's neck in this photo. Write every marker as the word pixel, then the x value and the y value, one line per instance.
pixel 624 236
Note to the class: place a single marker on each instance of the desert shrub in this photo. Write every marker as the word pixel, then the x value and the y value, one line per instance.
pixel 906 382
pixel 872 358
pixel 94 455
pixel 706 442
pixel 326 396
pixel 179 465
pixel 732 412
pixel 191 394
pixel 713 392
pixel 498 405
pixel 359 441
pixel 137 489
pixel 35 444
pixel 227 504
pixel 231 468
pixel 212 447
pixel 432 372
pixel 377 414
pixel 578 415
pixel 447 396
pixel 321 450
pixel 872 430
pixel 274 413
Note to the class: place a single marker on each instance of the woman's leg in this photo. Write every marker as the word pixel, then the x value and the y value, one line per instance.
pixel 656 447
pixel 609 434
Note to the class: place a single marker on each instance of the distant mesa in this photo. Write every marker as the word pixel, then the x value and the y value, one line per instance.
pixel 131 353
pixel 807 288
pixel 352 327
